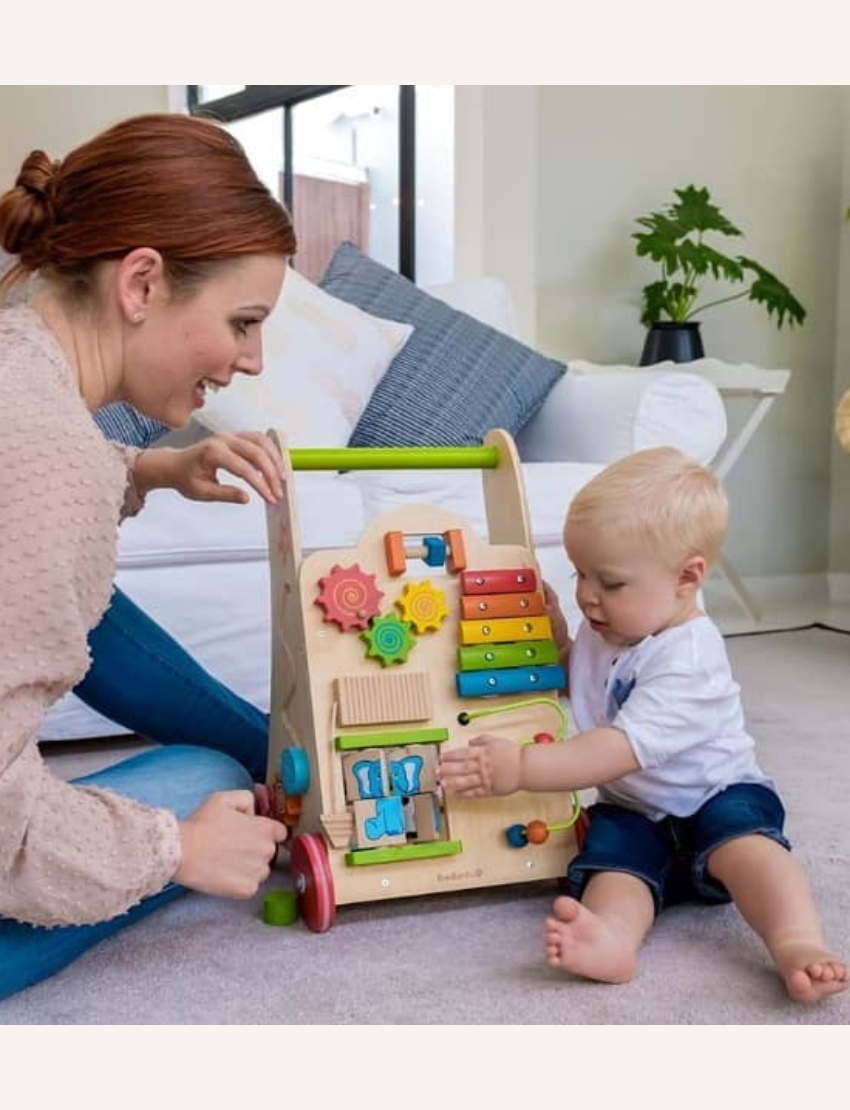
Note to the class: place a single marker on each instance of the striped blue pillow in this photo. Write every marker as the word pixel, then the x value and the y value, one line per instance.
pixel 123 423
pixel 454 379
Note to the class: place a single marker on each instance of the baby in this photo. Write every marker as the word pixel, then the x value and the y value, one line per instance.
pixel 684 811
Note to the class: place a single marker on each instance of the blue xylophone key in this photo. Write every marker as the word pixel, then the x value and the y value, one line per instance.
pixel 514 680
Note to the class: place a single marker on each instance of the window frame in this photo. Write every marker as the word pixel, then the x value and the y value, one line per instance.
pixel 261 98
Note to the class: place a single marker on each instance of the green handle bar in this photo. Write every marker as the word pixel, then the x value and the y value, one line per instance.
pixel 394 458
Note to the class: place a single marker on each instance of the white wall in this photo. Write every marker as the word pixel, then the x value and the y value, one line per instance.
pixel 839 524
pixel 571 167
pixel 56 118
pixel 549 182
pixel 496 167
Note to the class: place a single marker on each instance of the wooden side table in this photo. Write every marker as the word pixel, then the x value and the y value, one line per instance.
pixel 763 387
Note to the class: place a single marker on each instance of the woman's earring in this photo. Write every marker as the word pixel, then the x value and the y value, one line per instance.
pixel 138 317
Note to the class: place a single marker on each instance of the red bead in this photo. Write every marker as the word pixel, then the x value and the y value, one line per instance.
pixel 537 832
pixel 544 738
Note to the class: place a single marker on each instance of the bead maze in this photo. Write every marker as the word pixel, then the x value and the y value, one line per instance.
pixel 384 652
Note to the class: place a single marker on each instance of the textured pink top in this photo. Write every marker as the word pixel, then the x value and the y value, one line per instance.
pixel 68 854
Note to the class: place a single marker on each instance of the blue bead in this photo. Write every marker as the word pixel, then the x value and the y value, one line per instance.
pixel 436 548
pixel 516 836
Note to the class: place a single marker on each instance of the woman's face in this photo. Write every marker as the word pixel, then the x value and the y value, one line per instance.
pixel 184 346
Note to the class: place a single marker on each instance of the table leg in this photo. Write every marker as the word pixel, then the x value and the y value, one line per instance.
pixel 742 595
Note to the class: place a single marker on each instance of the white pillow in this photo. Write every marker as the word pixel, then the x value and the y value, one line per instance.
pixel 322 359
pixel 600 413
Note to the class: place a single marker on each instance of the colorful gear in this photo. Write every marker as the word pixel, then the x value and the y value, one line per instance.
pixel 349 596
pixel 423 606
pixel 389 640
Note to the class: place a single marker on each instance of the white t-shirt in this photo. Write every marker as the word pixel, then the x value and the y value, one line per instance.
pixel 674 697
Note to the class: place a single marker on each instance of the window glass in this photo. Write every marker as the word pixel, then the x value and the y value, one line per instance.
pixel 262 136
pixel 345 157
pixel 345 181
pixel 435 180
pixel 216 92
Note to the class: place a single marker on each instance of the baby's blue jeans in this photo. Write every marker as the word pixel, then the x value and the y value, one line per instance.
pixel 216 742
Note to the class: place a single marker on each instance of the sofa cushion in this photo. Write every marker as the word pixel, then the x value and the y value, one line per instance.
pixel 124 424
pixel 455 378
pixel 170 532
pixel 598 414
pixel 322 359
pixel 549 488
pixel 485 299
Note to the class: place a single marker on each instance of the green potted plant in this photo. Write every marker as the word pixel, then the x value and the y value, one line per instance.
pixel 675 238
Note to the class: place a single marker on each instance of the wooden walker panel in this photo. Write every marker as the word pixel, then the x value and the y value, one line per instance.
pixel 309 654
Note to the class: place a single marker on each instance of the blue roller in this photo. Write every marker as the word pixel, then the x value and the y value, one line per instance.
pixel 295 771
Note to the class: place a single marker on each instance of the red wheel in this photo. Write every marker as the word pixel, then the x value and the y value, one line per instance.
pixel 311 876
pixel 580 828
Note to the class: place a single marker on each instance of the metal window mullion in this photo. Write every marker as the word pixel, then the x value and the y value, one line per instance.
pixel 407 181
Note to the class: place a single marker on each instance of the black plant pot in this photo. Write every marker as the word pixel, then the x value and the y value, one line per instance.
pixel 668 340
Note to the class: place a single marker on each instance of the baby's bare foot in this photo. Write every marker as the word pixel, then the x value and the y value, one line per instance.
pixel 810 972
pixel 579 941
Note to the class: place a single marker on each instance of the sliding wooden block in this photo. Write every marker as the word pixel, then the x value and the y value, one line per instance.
pixel 520 581
pixel 479 657
pixel 377 699
pixel 479 607
pixel 413 769
pixel 426 817
pixel 505 631
pixel 517 680
pixel 379 822
pixel 365 774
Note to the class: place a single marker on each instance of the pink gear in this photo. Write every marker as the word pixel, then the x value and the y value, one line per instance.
pixel 349 596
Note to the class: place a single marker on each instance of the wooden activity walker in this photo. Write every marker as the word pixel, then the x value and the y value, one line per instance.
pixel 422 635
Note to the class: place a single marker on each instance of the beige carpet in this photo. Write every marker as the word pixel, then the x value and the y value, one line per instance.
pixel 475 958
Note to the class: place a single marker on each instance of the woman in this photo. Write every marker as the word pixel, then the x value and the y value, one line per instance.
pixel 158 255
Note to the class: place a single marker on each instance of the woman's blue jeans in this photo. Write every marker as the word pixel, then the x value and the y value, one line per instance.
pixel 141 678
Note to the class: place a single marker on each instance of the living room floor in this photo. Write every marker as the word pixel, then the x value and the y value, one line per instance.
pixel 784 603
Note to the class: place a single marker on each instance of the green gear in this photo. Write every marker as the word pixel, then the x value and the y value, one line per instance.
pixel 389 640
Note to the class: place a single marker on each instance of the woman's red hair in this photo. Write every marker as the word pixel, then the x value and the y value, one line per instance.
pixel 179 184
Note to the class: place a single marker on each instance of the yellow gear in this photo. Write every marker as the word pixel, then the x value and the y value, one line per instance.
pixel 423 606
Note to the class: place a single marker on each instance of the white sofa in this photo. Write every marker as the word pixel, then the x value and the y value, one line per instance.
pixel 201 569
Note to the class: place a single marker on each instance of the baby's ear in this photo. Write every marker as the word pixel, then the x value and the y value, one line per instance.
pixel 692 574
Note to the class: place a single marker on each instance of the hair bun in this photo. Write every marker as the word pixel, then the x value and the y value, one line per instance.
pixel 37 175
pixel 26 211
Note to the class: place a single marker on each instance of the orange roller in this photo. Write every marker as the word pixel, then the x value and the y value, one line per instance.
pixel 456 557
pixel 394 550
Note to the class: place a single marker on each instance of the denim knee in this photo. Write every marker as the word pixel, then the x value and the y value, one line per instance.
pixel 218 770
pixel 178 777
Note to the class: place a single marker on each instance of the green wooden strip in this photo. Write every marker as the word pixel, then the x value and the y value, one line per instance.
pixel 481 657
pixel 394 458
pixel 355 741
pixel 431 849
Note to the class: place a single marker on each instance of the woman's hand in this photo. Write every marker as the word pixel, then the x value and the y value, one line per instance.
pixel 226 850
pixel 193 471
pixel 490 765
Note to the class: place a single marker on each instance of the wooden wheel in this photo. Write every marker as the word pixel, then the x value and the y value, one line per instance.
pixel 580 829
pixel 311 876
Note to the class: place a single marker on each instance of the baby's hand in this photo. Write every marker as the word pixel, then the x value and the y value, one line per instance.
pixel 490 765
pixel 560 631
